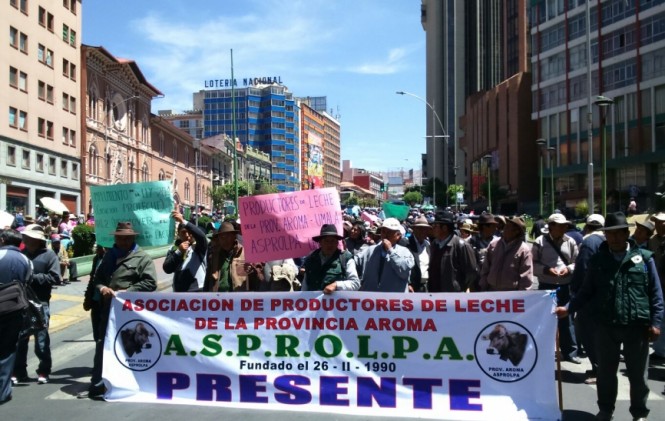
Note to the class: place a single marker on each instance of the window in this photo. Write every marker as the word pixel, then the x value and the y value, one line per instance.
pixel 39 163
pixel 14 3
pixel 72 71
pixel 49 94
pixel 93 161
pixel 41 127
pixel 23 120
pixel 63 169
pixel 68 69
pixel 23 81
pixel 65 67
pixel 144 172
pixel 41 53
pixel 75 171
pixel 49 22
pixel 23 43
pixel 41 90
pixel 65 135
pixel 65 101
pixel 72 105
pixel 24 6
pixel 49 130
pixel 51 165
pixel 25 162
pixel 13 37
pixel 65 32
pixel 72 137
pixel 72 38
pixel 12 117
pixel 13 77
pixel 41 16
pixel 11 155
pixel 49 58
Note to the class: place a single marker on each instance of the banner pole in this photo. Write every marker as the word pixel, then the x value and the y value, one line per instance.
pixel 558 371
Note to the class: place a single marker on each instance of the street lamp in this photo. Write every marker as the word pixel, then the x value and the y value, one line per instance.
pixel 541 144
pixel 603 102
pixel 433 136
pixel 550 155
pixel 488 157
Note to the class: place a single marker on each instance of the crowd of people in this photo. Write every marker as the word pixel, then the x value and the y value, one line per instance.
pixel 607 281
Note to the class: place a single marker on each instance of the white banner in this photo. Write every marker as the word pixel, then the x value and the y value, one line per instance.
pixel 481 356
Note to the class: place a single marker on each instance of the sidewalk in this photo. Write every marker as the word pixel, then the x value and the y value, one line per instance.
pixel 67 300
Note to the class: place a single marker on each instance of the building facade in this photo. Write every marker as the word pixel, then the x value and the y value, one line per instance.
pixel 331 151
pixel 265 118
pixel 116 128
pixel 619 55
pixel 41 136
pixel 312 156
pixel 188 121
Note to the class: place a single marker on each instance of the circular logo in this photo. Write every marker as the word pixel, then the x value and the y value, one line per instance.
pixel 137 345
pixel 506 351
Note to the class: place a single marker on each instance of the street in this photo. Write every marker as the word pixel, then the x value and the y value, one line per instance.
pixel 72 348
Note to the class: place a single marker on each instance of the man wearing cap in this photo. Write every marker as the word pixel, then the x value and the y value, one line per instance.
pixel 623 290
pixel 487 230
pixel 508 264
pixel 187 259
pixel 124 267
pixel 45 274
pixel 554 256
pixel 419 245
pixel 386 266
pixel 328 268
pixel 14 266
pixel 584 322
pixel 452 265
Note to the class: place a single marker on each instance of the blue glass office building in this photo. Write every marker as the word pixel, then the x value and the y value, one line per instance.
pixel 266 119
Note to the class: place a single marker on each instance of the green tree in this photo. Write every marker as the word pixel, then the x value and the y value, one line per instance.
pixel 368 202
pixel 227 192
pixel 413 197
pixel 452 191
pixel 265 188
pixel 428 191
pixel 351 201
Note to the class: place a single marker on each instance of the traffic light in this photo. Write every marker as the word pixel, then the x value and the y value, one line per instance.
pixel 383 187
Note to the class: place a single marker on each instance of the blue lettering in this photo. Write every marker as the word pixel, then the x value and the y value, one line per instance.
pixel 330 389
pixel 460 394
pixel 290 393
pixel 211 387
pixel 422 391
pixel 385 395
pixel 168 382
pixel 250 386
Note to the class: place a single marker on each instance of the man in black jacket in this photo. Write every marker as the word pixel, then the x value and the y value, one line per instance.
pixel 46 273
pixel 419 245
pixel 452 266
pixel 187 259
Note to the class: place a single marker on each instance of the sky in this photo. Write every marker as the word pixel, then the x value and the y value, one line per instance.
pixel 357 53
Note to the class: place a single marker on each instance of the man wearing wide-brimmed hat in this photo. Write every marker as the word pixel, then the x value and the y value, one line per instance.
pixel 487 232
pixel 124 267
pixel 227 270
pixel 452 266
pixel 328 268
pixel 643 232
pixel 419 245
pixel 508 264
pixel 623 289
pixel 554 256
pixel 46 274
pixel 386 266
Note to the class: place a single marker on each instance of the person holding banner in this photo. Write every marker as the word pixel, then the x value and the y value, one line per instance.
pixel 227 270
pixel 386 267
pixel 187 259
pixel 124 267
pixel 328 268
pixel 623 289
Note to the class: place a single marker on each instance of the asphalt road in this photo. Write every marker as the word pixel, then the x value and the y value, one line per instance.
pixel 72 348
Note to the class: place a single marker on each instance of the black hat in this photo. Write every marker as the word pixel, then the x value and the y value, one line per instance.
pixel 444 218
pixel 327 230
pixel 486 219
pixel 615 221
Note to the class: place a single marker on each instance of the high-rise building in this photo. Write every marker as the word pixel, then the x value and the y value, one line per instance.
pixel 625 67
pixel 331 151
pixel 40 135
pixel 266 118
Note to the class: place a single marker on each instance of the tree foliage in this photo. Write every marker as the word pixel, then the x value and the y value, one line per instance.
pixel 219 194
pixel 413 197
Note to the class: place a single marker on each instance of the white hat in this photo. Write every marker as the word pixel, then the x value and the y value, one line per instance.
pixel 660 216
pixel 392 224
pixel 557 218
pixel 35 231
pixel 595 219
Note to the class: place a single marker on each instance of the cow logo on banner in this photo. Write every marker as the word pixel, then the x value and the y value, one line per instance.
pixel 138 345
pixel 506 351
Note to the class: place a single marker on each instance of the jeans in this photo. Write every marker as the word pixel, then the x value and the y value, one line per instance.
pixel 567 341
pixel 635 340
pixel 10 325
pixel 42 350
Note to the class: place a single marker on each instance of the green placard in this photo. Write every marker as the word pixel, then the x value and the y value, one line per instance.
pixel 147 206
pixel 392 210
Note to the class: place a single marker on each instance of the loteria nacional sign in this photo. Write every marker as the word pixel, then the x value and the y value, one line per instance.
pixel 482 356
pixel 246 82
